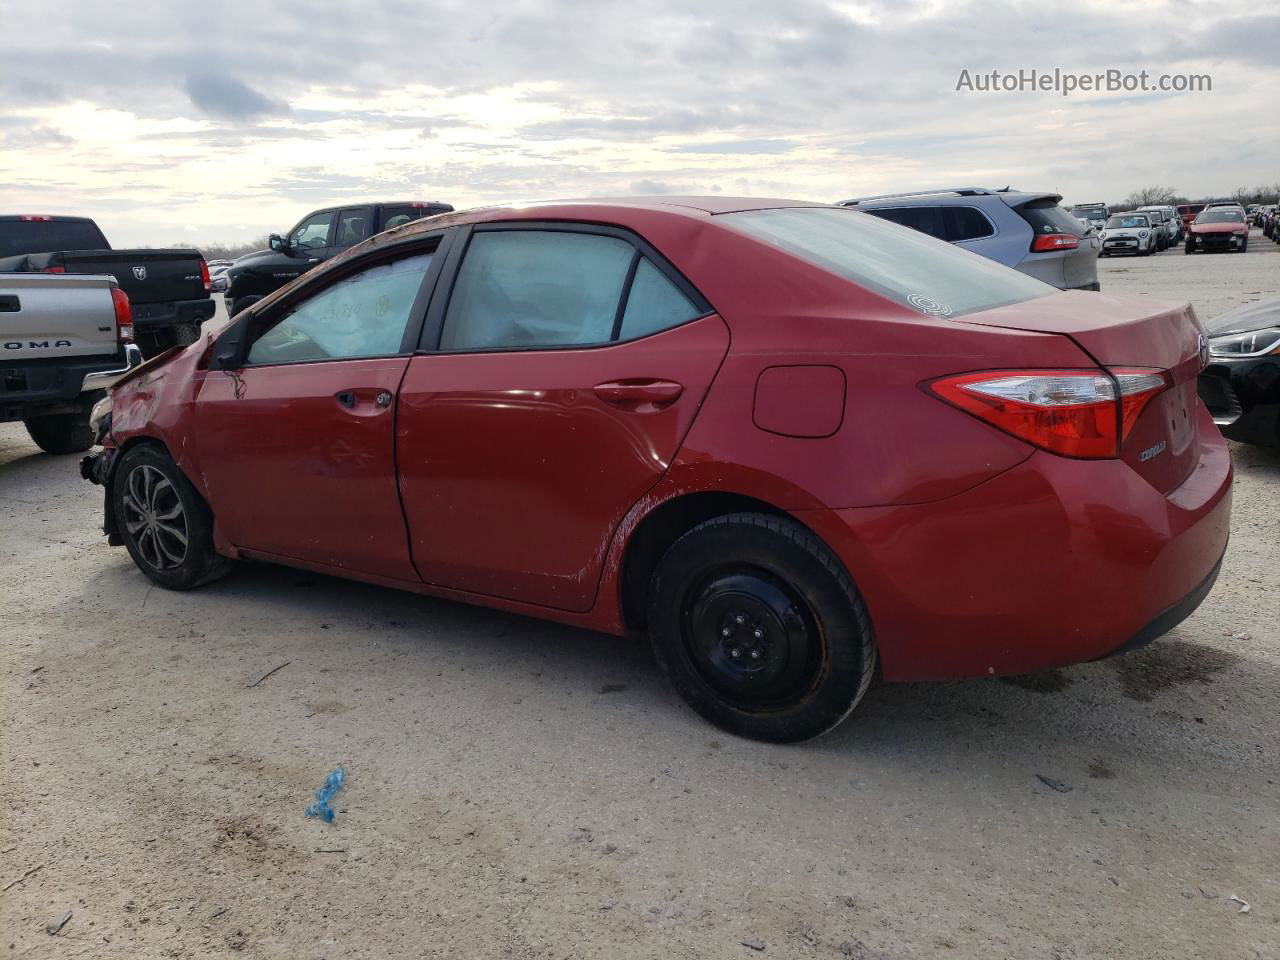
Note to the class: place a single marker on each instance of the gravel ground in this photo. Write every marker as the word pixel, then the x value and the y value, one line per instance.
pixel 518 789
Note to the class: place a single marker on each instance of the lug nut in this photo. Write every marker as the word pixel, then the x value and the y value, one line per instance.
pixel 755 654
pixel 757 633
pixel 739 619
pixel 725 632
pixel 736 653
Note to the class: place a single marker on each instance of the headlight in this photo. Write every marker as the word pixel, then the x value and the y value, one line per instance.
pixel 1255 343
pixel 1103 235
pixel 1142 233
pixel 100 417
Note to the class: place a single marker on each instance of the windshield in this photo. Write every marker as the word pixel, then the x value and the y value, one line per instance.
pixel 1089 213
pixel 1128 221
pixel 898 263
pixel 1221 215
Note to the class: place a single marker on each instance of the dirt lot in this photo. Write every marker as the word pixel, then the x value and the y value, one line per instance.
pixel 518 789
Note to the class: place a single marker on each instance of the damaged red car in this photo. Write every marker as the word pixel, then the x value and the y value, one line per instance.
pixel 797 444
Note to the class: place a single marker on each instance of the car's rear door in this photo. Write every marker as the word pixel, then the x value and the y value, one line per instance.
pixel 296 444
pixel 555 386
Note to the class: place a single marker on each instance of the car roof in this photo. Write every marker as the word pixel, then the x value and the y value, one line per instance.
pixel 57 217
pixel 623 211
pixel 950 195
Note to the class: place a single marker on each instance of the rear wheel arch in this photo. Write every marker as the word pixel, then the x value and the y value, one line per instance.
pixel 661 527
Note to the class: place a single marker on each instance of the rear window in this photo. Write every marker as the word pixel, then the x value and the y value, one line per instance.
pixel 19 237
pixel 1046 216
pixel 907 267
pixel 398 214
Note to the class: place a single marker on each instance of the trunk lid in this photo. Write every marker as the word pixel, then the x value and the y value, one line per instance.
pixel 50 317
pixel 1119 332
pixel 147 276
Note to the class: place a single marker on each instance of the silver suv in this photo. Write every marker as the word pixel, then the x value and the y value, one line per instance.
pixel 1030 232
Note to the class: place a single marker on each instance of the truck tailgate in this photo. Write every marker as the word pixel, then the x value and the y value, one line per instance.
pixel 147 276
pixel 47 316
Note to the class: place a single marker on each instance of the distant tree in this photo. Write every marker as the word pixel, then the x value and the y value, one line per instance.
pixel 1150 196
pixel 226 251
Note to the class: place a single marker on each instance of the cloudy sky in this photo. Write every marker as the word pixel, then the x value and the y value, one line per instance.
pixel 167 125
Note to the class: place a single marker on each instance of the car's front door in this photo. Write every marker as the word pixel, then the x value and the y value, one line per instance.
pixel 568 366
pixel 296 445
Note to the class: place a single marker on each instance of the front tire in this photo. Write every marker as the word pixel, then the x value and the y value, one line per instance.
pixel 61 432
pixel 164 523
pixel 237 304
pixel 760 628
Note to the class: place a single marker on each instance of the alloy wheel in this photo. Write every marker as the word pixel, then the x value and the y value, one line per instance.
pixel 154 518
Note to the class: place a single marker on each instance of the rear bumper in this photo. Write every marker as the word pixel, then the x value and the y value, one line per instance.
pixel 151 316
pixel 43 387
pixel 1053 562
pixel 102 379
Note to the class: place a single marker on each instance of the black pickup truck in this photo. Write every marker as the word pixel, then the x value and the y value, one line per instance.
pixel 168 289
pixel 318 236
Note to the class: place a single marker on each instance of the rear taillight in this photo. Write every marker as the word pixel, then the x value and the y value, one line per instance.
pixel 1074 413
pixel 36 217
pixel 55 269
pixel 124 315
pixel 1044 242
pixel 204 275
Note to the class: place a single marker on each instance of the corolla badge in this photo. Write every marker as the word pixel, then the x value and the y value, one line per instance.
pixel 1202 344
pixel 1152 452
pixel 140 273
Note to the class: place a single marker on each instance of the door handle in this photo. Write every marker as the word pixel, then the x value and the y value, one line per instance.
pixel 639 396
pixel 346 398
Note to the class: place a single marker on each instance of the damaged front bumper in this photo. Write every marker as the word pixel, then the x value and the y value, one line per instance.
pixel 96 468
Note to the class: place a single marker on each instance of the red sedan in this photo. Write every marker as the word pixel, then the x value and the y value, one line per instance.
pixel 791 441
pixel 1219 228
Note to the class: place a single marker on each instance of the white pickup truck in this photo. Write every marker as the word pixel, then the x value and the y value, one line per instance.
pixel 64 338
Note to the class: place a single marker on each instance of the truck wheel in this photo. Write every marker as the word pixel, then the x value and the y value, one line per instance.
pixel 239 303
pixel 61 432
pixel 760 628
pixel 164 522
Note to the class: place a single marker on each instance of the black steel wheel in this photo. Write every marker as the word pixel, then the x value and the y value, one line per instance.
pixel 760 628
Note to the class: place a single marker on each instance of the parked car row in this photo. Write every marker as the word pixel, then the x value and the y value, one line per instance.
pixel 797 477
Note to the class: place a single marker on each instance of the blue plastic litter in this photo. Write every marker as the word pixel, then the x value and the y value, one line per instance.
pixel 332 784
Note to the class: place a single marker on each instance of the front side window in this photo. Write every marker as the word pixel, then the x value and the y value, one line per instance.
pixel 363 315
pixel 918 272
pixel 312 232
pixel 536 288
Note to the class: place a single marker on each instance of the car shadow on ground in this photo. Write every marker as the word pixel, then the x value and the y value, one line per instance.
pixel 1158 690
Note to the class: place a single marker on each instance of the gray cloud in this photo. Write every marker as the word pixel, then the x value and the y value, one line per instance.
pixel 226 98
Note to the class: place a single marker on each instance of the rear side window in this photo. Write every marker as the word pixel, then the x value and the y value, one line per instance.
pixel 654 303
pixel 353 226
pixel 363 315
pixel 965 223
pixel 536 288
pixel 1047 216
pixel 19 237
pixel 925 219
pixel 918 272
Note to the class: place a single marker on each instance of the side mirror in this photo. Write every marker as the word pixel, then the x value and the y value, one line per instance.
pixel 278 243
pixel 229 347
